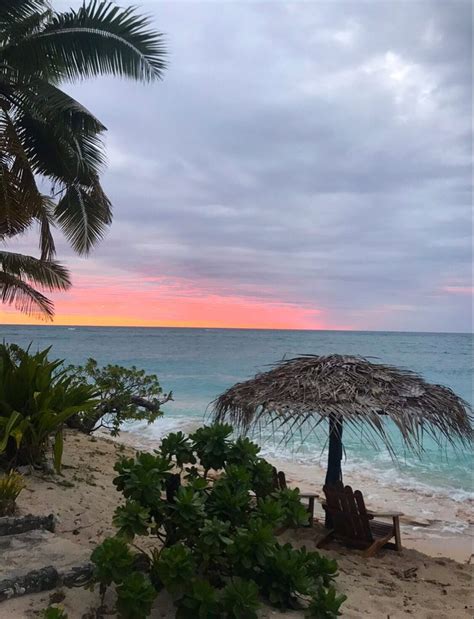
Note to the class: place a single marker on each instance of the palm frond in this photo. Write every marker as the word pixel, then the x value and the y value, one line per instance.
pixel 48 274
pixel 83 214
pixel 11 11
pixel 20 199
pixel 47 103
pixel 46 222
pixel 13 30
pixel 57 152
pixel 99 38
pixel 24 297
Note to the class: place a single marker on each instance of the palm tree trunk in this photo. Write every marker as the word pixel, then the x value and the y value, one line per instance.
pixel 334 471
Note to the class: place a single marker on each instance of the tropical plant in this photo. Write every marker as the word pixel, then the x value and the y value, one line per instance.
pixel 49 138
pixel 11 485
pixel 37 397
pixel 124 394
pixel 216 553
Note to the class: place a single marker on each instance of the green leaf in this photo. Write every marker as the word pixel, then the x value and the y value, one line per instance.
pixel 7 431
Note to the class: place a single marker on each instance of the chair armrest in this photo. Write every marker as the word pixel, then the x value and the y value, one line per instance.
pixel 384 514
pixel 309 495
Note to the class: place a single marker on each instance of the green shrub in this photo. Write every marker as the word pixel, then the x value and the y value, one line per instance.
pixel 240 599
pixel 135 596
pixel 217 552
pixel 11 485
pixel 201 601
pixel 173 568
pixel 325 604
pixel 112 561
pixel 37 397
pixel 124 394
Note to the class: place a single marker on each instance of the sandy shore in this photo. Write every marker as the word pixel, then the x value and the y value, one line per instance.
pixel 388 585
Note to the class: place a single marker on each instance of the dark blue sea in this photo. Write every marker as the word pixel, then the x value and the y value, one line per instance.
pixel 198 364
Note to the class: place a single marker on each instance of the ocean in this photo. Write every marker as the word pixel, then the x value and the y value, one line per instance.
pixel 198 364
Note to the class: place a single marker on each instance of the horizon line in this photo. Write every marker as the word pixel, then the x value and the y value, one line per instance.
pixel 210 328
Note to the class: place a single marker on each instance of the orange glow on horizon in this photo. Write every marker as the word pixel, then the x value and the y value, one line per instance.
pixel 151 302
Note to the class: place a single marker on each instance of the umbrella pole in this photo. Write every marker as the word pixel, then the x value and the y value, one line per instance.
pixel 334 471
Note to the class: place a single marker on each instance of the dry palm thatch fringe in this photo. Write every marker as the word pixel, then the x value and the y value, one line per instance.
pixel 300 393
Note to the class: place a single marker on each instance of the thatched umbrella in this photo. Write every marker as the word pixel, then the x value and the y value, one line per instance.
pixel 347 391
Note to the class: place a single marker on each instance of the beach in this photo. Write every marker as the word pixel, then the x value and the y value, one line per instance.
pixel 430 578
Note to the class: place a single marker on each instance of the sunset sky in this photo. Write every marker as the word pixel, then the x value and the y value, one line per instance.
pixel 302 165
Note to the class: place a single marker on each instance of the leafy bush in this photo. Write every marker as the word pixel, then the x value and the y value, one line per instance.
pixel 124 394
pixel 240 599
pixel 11 485
pixel 135 596
pixel 37 397
pixel 325 604
pixel 217 553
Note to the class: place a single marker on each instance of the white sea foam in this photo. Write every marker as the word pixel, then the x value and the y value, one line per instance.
pixel 381 468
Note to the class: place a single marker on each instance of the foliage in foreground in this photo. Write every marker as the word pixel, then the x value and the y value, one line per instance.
pixel 11 485
pixel 216 551
pixel 37 397
pixel 124 395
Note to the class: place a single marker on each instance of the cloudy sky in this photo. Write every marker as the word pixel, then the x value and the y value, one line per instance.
pixel 302 165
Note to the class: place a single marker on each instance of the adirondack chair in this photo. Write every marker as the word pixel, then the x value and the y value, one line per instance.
pixel 279 483
pixel 354 525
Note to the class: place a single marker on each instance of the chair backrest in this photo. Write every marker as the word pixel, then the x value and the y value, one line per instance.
pixel 347 512
pixel 279 480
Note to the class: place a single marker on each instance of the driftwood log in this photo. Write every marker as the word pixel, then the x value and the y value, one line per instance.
pixel 44 579
pixel 11 525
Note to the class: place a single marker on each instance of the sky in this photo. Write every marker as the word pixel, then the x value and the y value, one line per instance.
pixel 302 165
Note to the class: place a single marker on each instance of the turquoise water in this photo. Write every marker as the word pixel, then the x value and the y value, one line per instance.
pixel 198 364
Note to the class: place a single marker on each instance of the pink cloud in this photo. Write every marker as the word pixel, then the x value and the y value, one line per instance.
pixel 467 290
pixel 101 300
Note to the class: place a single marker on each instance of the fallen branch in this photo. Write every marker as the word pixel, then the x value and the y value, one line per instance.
pixel 11 525
pixel 45 579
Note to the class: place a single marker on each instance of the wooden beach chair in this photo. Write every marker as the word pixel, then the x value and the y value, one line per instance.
pixel 354 525
pixel 279 483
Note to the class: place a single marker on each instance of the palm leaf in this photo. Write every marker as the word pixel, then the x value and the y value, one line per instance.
pixel 19 195
pixel 13 10
pixel 14 29
pixel 24 297
pixel 99 38
pixel 20 200
pixel 61 154
pixel 84 213
pixel 46 273
pixel 46 102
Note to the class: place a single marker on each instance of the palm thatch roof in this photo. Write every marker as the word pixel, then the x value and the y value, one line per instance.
pixel 304 391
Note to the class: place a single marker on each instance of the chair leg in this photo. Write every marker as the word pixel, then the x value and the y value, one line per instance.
pixel 373 549
pixel 397 535
pixel 325 539
pixel 311 510
pixel 376 546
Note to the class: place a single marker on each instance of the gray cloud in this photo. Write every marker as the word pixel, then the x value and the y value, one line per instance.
pixel 314 153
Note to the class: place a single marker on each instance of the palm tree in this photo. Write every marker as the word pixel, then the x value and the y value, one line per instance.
pixel 47 138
